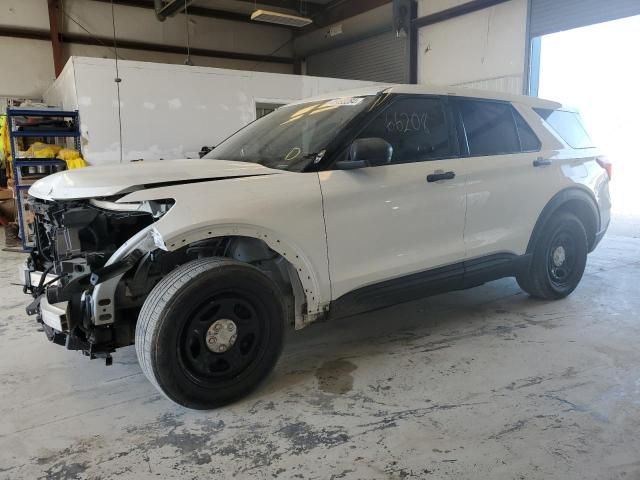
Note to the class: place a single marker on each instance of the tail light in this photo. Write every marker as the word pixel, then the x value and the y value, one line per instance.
pixel 606 164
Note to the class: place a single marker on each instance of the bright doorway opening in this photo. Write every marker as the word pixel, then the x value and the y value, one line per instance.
pixel 596 69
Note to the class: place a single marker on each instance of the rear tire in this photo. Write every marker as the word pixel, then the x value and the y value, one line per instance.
pixel 210 332
pixel 559 259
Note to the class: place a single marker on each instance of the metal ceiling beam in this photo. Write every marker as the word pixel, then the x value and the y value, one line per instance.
pixel 457 11
pixel 193 10
pixel 178 49
pixel 53 7
pixel 169 9
pixel 26 33
pixel 308 8
pixel 150 47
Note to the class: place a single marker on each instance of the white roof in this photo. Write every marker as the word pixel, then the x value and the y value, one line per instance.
pixel 433 90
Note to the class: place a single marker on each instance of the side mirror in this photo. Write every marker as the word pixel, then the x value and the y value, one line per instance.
pixel 370 151
pixel 204 150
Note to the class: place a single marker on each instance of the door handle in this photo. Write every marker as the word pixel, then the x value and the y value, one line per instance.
pixel 434 177
pixel 541 162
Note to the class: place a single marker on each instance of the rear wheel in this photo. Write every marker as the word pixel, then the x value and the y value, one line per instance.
pixel 210 331
pixel 559 259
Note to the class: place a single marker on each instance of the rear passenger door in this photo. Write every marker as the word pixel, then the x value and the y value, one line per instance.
pixel 505 191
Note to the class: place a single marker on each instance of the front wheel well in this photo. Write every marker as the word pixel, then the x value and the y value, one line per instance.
pixel 255 252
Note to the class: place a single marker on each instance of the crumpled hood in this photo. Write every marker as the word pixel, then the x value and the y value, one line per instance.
pixel 105 181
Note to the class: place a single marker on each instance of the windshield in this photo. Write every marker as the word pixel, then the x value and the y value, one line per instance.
pixel 292 136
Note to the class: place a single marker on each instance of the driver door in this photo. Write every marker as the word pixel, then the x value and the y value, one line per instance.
pixel 396 230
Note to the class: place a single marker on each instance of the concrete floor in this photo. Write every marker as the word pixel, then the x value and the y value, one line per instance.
pixel 485 383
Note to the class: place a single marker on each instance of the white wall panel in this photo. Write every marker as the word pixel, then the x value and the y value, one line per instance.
pixel 428 7
pixel 170 111
pixel 486 47
pixel 24 13
pixel 27 67
pixel 511 83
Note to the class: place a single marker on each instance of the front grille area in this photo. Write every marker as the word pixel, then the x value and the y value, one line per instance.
pixel 68 230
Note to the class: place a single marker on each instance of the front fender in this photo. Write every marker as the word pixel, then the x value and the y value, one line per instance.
pixel 307 272
pixel 284 211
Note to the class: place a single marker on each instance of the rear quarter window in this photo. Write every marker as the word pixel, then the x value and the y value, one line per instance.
pixel 490 127
pixel 568 125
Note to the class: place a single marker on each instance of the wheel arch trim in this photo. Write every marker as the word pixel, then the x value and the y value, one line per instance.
pixel 304 268
pixel 562 199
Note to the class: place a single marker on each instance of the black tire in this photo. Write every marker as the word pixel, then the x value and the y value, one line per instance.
pixel 559 259
pixel 177 321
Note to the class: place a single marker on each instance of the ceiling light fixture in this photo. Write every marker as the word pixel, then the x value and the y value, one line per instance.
pixel 269 16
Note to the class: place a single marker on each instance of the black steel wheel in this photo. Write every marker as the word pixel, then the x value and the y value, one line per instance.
pixel 210 331
pixel 221 337
pixel 559 259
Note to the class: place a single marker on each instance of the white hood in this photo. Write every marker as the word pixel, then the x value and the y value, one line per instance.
pixel 110 180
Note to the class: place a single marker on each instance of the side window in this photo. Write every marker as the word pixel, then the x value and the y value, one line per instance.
pixel 528 140
pixel 568 125
pixel 490 127
pixel 417 129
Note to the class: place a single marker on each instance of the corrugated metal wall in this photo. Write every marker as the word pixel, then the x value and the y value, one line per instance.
pixel 380 58
pixel 549 16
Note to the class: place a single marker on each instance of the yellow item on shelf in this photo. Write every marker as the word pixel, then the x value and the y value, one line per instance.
pixel 43 150
pixel 72 157
pixel 76 163
pixel 5 149
pixel 5 144
pixel 68 154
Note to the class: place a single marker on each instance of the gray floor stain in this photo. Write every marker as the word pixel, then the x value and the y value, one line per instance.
pixel 334 376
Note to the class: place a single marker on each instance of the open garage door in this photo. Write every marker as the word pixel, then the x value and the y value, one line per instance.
pixel 550 16
pixel 380 58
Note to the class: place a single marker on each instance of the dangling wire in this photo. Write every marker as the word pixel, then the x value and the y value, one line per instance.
pixel 86 30
pixel 186 16
pixel 117 79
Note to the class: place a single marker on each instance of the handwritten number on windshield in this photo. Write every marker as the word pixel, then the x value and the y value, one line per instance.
pixel 407 122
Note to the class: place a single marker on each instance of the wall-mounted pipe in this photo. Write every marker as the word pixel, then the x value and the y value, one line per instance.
pixel 169 9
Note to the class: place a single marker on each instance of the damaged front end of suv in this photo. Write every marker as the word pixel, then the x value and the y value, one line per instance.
pixel 84 255
pixel 104 237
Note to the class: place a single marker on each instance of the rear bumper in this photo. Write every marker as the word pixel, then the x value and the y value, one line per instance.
pixel 598 237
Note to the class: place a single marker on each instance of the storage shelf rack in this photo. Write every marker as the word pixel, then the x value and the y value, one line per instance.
pixel 18 162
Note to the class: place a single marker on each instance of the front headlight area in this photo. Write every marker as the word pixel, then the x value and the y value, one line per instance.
pixel 78 237
pixel 87 231
pixel 75 240
pixel 156 208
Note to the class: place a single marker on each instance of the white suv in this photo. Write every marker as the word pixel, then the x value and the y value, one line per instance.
pixel 324 208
